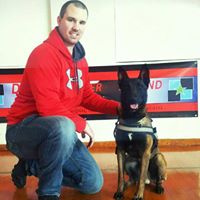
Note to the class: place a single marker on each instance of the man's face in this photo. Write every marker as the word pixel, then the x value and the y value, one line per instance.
pixel 72 25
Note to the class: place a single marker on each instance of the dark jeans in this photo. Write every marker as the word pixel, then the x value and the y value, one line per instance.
pixel 54 154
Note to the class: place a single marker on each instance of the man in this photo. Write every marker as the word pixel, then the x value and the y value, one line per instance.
pixel 43 120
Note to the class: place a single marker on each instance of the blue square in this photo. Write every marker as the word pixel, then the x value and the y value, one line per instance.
pixel 186 95
pixel 1 100
pixel 174 84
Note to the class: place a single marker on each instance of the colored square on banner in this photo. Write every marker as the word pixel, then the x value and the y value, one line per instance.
pixel 174 84
pixel 1 100
pixel 173 96
pixel 187 83
pixel 1 95
pixel 186 94
pixel 1 90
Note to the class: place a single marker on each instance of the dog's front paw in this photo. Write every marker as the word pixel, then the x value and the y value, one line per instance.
pixel 159 189
pixel 137 198
pixel 118 196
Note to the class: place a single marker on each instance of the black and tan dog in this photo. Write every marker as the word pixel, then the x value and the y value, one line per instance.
pixel 137 145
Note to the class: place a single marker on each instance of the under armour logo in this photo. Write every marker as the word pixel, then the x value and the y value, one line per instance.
pixel 77 79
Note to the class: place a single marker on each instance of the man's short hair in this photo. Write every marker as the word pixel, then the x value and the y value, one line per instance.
pixel 76 3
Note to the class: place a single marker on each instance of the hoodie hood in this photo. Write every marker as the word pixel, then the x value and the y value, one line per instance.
pixel 78 52
pixel 55 39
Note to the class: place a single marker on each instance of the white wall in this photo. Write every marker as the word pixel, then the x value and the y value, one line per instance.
pixel 25 24
pixel 157 29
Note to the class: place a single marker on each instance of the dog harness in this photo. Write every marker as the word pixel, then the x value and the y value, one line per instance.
pixel 127 133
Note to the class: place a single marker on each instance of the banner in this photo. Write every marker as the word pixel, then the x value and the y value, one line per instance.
pixel 172 91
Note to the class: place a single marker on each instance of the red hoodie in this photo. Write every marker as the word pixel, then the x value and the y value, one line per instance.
pixel 56 83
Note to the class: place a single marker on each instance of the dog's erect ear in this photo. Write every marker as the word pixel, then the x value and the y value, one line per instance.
pixel 122 75
pixel 144 75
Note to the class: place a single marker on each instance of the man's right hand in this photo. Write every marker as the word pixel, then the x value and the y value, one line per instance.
pixel 88 131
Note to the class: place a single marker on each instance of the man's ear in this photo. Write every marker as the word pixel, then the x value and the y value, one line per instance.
pixel 144 75
pixel 58 20
pixel 122 75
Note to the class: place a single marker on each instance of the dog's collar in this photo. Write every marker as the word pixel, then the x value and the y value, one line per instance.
pixel 143 125
pixel 135 128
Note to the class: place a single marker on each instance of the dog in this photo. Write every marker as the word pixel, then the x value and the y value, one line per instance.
pixel 137 149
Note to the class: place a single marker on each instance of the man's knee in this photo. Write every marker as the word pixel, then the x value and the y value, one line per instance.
pixel 93 184
pixel 62 131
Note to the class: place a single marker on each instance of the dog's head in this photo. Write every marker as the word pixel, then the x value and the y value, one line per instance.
pixel 133 92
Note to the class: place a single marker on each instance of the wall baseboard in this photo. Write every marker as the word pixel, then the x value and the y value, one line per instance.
pixel 165 145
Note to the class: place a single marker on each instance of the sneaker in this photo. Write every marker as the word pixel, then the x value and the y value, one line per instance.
pixel 19 174
pixel 48 197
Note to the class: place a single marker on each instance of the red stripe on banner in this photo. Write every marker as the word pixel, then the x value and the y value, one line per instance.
pixel 93 76
pixel 154 73
pixel 172 107
pixel 175 72
pixel 10 78
pixel 155 108
pixel 4 112
pixel 152 108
